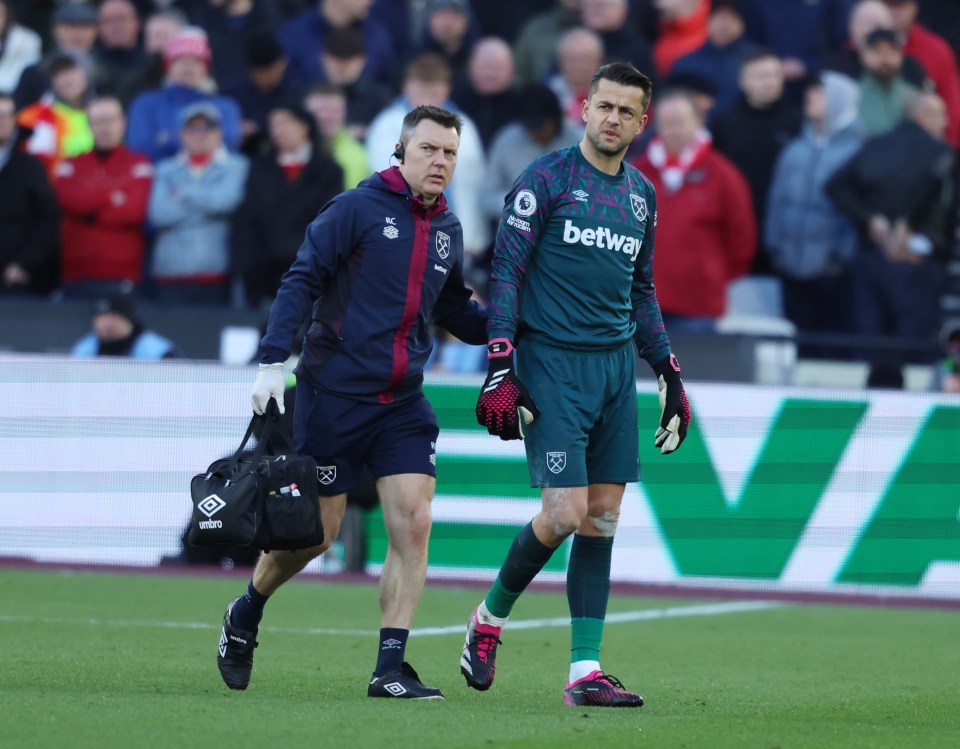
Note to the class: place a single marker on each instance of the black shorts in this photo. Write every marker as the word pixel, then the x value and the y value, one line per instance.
pixel 344 434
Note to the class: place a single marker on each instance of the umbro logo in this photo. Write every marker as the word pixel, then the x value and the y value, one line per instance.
pixel 211 505
pixel 391 644
pixel 223 643
pixel 580 195
pixel 395 688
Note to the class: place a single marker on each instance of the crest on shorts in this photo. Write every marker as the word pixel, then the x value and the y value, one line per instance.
pixel 639 206
pixel 326 474
pixel 556 462
pixel 443 244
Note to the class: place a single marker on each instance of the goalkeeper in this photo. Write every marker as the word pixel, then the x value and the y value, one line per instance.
pixel 572 289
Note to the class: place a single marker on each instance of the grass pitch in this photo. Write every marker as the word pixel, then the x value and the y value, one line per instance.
pixel 119 660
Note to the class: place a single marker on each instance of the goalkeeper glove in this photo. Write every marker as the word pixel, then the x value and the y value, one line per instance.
pixel 504 405
pixel 674 406
pixel 270 384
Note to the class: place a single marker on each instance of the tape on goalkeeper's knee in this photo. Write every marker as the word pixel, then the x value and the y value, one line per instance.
pixel 605 523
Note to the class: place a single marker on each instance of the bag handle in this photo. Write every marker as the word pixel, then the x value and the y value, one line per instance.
pixel 265 436
pixel 277 440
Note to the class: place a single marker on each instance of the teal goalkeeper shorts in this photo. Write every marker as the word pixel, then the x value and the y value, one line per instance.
pixel 587 430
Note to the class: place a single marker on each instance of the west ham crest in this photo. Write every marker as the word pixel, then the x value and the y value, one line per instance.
pixel 327 474
pixel 639 206
pixel 443 244
pixel 556 462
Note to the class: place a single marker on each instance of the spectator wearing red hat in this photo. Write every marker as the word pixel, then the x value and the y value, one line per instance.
pixel 155 115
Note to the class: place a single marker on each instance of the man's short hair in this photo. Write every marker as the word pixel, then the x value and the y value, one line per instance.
pixel 759 53
pixel 63 61
pixel 262 50
pixel 429 112
pixel 344 44
pixel 538 107
pixel 428 68
pixel 624 74
pixel 882 36
pixel 104 96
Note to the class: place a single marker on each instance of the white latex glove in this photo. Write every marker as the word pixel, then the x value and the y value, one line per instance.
pixel 270 384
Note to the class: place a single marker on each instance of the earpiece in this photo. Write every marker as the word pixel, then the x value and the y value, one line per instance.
pixel 398 152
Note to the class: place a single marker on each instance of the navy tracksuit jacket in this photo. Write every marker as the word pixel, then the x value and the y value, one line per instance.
pixel 376 266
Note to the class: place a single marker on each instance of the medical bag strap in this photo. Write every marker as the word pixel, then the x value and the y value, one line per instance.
pixel 261 448
pixel 280 442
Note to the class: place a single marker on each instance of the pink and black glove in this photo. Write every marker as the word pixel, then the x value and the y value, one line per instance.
pixel 674 406
pixel 504 405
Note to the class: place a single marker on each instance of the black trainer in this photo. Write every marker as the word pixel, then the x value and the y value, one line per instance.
pixel 235 653
pixel 402 684
pixel 598 689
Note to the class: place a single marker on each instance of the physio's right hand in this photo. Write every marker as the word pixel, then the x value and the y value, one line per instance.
pixel 270 384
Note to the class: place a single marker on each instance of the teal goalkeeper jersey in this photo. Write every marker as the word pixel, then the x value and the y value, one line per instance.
pixel 573 262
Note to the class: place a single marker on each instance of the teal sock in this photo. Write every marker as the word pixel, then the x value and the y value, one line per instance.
pixel 527 556
pixel 588 591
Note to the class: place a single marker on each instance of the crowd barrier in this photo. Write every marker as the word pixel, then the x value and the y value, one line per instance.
pixel 776 488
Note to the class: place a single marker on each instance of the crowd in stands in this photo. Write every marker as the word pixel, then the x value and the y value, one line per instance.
pixel 176 149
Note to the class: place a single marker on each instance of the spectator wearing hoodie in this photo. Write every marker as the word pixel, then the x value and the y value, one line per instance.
pixel 812 245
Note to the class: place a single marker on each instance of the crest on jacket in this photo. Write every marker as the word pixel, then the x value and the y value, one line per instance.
pixel 443 244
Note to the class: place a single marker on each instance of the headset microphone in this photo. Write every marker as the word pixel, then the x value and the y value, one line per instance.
pixel 398 152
